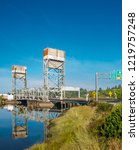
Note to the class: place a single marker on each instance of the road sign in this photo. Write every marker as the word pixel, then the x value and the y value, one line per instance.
pixel 116 75
pixel 110 93
pixel 94 94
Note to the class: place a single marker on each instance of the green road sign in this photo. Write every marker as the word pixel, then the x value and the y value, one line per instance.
pixel 119 75
pixel 116 75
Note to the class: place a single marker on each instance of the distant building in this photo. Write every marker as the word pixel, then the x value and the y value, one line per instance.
pixel 7 96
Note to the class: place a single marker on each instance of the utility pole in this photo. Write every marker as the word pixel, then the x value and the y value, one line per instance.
pixel 96 84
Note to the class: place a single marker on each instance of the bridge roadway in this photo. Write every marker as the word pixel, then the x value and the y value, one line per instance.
pixel 84 101
pixel 41 94
pixel 72 100
pixel 38 95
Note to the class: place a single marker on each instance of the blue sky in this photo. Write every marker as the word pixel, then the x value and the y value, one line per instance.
pixel 90 32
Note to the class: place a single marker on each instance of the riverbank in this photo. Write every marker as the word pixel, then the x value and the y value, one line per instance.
pixel 95 127
pixel 2 101
pixel 32 104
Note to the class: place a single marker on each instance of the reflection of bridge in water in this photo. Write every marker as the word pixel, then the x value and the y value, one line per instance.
pixel 21 115
pixel 36 115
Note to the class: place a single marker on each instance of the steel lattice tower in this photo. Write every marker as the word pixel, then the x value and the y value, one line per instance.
pixel 54 73
pixel 20 73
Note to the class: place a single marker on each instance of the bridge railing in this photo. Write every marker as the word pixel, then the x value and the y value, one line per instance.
pixel 30 94
pixel 41 93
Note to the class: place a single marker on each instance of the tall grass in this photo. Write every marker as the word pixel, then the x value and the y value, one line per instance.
pixel 69 132
pixel 77 130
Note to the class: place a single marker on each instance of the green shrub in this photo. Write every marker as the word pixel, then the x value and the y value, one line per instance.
pixel 119 93
pixel 2 100
pixel 112 127
pixel 102 107
pixel 93 103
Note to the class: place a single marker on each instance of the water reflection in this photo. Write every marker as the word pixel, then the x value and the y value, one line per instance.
pixel 23 126
pixel 19 124
pixel 21 115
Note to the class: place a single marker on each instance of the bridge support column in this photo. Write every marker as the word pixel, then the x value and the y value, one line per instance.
pixel 61 96
pixel 96 86
pixel 64 94
pixel 79 94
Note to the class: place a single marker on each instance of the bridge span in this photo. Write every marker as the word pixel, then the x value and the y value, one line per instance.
pixel 53 75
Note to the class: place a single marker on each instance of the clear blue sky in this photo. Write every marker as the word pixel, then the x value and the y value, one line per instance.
pixel 90 31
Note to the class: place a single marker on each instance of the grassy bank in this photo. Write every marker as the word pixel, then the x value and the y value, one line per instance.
pixel 85 128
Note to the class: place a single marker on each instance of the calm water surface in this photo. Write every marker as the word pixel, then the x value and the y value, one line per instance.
pixel 21 127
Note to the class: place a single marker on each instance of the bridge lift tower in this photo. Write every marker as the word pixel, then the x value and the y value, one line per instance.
pixel 20 73
pixel 54 73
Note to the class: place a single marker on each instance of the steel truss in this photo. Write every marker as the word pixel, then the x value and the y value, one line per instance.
pixel 54 76
pixel 21 77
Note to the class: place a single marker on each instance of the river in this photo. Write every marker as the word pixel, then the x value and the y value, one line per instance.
pixel 21 127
